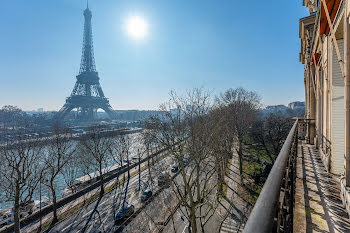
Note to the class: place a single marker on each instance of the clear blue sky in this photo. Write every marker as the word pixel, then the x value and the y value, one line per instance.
pixel 190 43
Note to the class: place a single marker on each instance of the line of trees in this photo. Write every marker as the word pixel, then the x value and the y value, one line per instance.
pixel 202 132
pixel 209 130
pixel 13 116
pixel 28 163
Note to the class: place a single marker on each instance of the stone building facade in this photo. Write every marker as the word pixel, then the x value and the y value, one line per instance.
pixel 325 53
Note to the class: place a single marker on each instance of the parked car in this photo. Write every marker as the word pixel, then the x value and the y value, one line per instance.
pixel 146 195
pixel 125 212
pixel 164 179
pixel 175 169
pixel 185 161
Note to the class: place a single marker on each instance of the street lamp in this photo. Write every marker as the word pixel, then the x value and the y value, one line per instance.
pixel 138 152
pixel 40 202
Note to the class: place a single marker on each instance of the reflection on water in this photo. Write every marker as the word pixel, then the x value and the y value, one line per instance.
pixel 60 184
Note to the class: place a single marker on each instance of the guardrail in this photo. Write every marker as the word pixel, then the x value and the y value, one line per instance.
pixel 273 211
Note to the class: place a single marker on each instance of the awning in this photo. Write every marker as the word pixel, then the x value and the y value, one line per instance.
pixel 315 58
pixel 332 6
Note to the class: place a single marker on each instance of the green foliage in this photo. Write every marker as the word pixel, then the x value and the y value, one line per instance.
pixel 253 171
pixel 257 153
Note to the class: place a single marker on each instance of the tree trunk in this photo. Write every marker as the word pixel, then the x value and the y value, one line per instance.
pixel 149 168
pixel 102 191
pixel 126 189
pixel 240 154
pixel 139 173
pixel 172 219
pixel 152 156
pixel 16 213
pixel 267 151
pixel 193 220
pixel 54 204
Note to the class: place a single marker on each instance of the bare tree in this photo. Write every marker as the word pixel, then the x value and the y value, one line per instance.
pixel 147 141
pixel 222 141
pixel 95 151
pixel 60 151
pixel 241 108
pixel 185 128
pixel 12 116
pixel 70 172
pixel 125 143
pixel 270 132
pixel 20 161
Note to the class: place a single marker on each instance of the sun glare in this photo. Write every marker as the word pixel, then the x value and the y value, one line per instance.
pixel 137 27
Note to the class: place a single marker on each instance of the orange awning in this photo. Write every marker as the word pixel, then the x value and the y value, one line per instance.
pixel 332 6
pixel 315 58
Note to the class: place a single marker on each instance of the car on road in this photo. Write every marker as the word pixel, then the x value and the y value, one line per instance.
pixel 146 195
pixel 125 212
pixel 174 169
pixel 185 161
pixel 164 179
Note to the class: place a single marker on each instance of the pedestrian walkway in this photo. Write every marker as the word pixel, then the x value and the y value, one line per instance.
pixel 233 203
pixel 318 207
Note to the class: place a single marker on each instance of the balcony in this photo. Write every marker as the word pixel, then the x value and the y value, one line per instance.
pixel 299 194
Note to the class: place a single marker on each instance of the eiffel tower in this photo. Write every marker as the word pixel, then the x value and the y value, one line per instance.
pixel 87 95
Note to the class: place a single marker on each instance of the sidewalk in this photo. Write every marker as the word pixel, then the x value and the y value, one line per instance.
pixel 234 208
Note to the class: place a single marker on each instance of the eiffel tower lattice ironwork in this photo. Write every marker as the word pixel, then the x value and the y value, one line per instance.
pixel 87 95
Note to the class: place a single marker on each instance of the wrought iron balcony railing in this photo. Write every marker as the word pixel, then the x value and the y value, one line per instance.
pixel 273 211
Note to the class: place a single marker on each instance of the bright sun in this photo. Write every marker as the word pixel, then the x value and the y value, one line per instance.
pixel 137 27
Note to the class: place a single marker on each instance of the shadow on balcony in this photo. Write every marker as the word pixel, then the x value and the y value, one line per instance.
pixel 318 206
pixel 299 194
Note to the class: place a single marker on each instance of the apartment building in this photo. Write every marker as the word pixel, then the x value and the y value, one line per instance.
pixel 325 53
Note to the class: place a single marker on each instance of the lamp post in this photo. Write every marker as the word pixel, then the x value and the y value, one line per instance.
pixel 40 203
pixel 138 152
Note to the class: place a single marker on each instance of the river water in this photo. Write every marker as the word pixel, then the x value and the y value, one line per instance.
pixel 60 183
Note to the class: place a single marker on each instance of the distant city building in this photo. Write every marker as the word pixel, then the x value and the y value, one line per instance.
pixel 276 108
pixel 296 104
pixel 294 109
pixel 174 111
